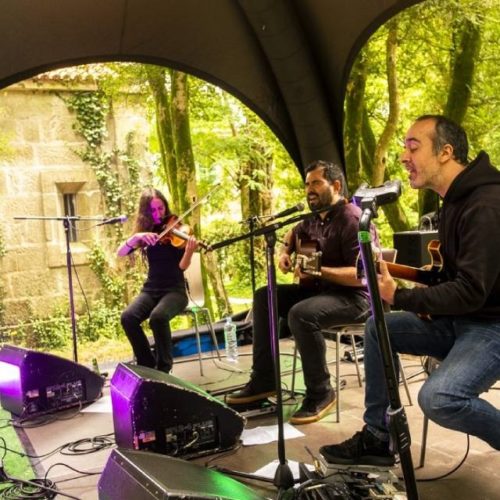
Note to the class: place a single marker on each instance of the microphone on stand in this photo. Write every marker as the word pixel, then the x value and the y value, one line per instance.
pixel 114 220
pixel 288 211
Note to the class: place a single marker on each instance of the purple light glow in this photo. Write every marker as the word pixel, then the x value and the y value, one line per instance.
pixel 10 380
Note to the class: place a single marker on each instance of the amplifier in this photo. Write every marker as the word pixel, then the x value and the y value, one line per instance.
pixel 412 247
pixel 34 383
pixel 158 412
pixel 143 475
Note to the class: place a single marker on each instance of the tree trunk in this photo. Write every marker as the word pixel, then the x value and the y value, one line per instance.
pixel 394 212
pixel 186 184
pixel 468 35
pixel 185 173
pixel 156 81
pixel 359 161
pixel 392 120
pixel 216 280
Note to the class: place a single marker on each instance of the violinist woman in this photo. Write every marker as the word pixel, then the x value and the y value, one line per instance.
pixel 163 294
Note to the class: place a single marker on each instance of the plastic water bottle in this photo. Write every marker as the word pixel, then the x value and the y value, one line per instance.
pixel 95 366
pixel 231 340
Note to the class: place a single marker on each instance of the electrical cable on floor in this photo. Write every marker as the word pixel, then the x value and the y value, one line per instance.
pixel 82 473
pixel 46 488
pixel 23 489
pixel 88 445
pixel 79 447
pixel 37 489
pixel 446 474
pixel 208 463
pixel 15 452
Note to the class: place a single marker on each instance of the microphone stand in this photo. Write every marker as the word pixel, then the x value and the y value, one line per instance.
pixel 398 423
pixel 251 225
pixel 283 478
pixel 67 226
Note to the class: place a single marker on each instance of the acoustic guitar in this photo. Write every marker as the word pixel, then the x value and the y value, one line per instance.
pixel 433 273
pixel 308 259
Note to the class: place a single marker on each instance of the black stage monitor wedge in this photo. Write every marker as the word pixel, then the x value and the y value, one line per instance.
pixel 33 383
pixel 158 412
pixel 412 247
pixel 141 475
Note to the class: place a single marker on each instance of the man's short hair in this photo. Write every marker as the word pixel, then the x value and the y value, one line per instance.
pixel 331 172
pixel 448 132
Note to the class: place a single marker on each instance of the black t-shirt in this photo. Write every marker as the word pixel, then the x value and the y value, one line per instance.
pixel 163 268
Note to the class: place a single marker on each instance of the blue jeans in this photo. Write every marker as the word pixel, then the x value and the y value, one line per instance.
pixel 160 309
pixel 470 354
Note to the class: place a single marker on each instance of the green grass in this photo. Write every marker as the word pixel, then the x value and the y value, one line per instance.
pixel 15 465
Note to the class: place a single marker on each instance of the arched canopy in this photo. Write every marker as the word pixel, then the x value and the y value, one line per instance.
pixel 288 60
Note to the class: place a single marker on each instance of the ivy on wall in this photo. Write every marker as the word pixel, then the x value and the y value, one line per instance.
pixel 91 110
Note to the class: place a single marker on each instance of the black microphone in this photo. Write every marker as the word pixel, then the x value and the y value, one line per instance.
pixel 114 220
pixel 288 211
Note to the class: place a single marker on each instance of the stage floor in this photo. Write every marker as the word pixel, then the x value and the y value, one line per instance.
pixel 478 478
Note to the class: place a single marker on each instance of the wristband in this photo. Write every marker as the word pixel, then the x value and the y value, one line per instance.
pixel 130 246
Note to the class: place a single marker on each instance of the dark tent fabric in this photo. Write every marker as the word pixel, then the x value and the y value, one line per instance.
pixel 288 60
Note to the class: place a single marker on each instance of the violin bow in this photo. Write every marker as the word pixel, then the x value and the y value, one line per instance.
pixel 188 211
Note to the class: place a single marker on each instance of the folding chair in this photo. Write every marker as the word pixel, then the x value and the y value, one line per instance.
pixel 356 328
pixel 196 305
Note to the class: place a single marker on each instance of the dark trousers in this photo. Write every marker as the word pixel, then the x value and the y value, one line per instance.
pixel 307 313
pixel 160 309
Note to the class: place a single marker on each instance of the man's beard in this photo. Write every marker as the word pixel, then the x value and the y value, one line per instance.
pixel 324 200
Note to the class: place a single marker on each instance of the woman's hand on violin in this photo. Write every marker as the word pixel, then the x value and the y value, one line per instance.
pixel 191 245
pixel 144 239
pixel 135 241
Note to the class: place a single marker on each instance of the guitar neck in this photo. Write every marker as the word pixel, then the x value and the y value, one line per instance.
pixel 430 277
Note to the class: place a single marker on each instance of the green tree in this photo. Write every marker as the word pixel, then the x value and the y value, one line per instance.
pixel 442 66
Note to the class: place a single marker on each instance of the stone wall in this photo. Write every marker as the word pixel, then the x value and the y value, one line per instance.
pixel 39 168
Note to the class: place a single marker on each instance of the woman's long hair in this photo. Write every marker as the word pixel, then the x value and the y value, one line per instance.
pixel 144 221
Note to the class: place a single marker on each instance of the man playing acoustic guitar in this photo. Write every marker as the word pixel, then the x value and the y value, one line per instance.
pixel 335 296
pixel 464 326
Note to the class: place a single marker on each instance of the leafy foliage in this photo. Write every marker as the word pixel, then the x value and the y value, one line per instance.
pixel 91 109
pixel 232 147
pixel 429 43
pixel 52 331
pixel 103 322
pixel 113 285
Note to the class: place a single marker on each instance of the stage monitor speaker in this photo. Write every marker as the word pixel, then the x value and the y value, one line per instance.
pixel 158 412
pixel 34 383
pixel 412 247
pixel 141 475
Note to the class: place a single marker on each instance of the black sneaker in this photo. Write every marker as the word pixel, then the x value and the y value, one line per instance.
pixel 251 393
pixel 362 449
pixel 313 410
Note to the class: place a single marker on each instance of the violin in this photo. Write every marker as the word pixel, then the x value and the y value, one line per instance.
pixel 177 234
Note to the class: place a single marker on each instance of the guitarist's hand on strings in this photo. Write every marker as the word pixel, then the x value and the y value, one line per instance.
pixel 285 263
pixel 300 274
pixel 387 285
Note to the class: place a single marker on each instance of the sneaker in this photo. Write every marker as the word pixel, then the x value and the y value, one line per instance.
pixel 363 448
pixel 251 393
pixel 313 410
